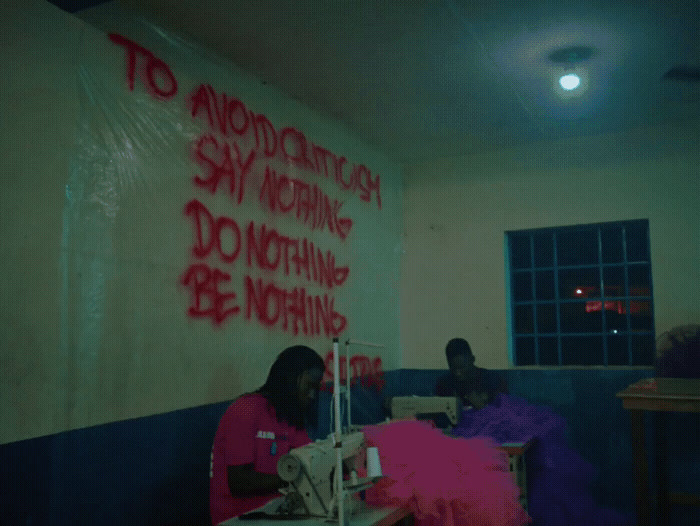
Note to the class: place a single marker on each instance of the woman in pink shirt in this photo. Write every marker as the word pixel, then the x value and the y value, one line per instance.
pixel 260 427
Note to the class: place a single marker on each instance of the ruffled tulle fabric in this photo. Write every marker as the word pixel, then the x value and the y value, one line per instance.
pixel 558 477
pixel 444 481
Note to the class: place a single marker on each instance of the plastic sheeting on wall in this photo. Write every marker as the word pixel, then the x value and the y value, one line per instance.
pixel 206 223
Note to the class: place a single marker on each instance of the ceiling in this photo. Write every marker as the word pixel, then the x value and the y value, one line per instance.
pixel 428 79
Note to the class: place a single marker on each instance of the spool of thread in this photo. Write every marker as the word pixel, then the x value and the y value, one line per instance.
pixel 374 467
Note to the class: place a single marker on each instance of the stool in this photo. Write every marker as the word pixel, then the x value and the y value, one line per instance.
pixel 516 461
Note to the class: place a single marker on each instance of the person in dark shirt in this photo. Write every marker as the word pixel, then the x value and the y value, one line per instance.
pixel 475 386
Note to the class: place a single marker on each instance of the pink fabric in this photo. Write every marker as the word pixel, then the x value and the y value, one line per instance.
pixel 444 481
pixel 248 432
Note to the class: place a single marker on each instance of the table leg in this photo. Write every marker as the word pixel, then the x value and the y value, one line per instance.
pixel 641 467
pixel 661 450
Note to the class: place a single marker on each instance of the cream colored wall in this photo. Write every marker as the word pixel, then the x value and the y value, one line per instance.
pixel 37 131
pixel 457 210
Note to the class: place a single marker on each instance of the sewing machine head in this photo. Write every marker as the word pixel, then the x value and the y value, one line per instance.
pixel 432 407
pixel 310 473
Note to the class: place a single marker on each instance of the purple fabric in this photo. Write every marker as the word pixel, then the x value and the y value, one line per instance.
pixel 558 477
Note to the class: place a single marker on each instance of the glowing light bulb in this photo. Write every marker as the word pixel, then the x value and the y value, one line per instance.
pixel 570 81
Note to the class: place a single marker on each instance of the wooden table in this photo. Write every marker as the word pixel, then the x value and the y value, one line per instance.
pixel 661 395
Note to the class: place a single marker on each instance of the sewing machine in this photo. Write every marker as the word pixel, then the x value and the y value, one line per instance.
pixel 310 473
pixel 431 407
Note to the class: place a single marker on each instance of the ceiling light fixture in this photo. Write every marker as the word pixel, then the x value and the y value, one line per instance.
pixel 570 74
pixel 570 81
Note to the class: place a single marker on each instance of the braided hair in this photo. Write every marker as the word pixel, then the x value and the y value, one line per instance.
pixel 281 388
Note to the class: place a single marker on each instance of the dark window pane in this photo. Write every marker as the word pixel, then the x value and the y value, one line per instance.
pixel 617 350
pixel 640 315
pixel 544 250
pixel 597 310
pixel 614 281
pixel 639 280
pixel 549 355
pixel 636 236
pixel 611 242
pixel 615 317
pixel 522 286
pixel 524 323
pixel 579 283
pixel 643 350
pixel 546 318
pixel 544 285
pixel 578 247
pixel 525 351
pixel 582 350
pixel 578 317
pixel 520 251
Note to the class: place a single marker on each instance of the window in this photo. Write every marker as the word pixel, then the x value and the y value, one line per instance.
pixel 581 295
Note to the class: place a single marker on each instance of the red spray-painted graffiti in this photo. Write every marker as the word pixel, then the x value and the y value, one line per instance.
pixel 205 223
pixel 237 138
pixel 265 247
pixel 290 309
pixel 151 68
pixel 229 116
pixel 272 306
pixel 207 299
pixel 215 158
pixel 270 251
pixel 309 203
pixel 367 371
